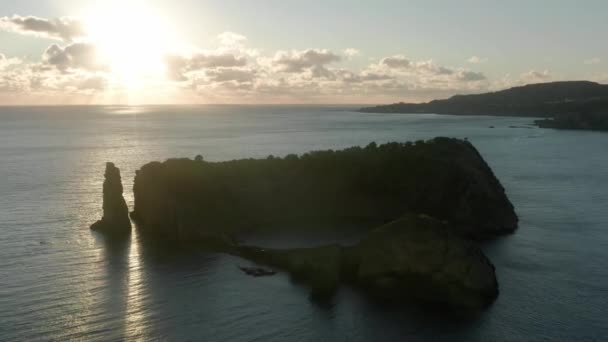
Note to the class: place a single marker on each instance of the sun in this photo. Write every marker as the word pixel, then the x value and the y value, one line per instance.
pixel 132 39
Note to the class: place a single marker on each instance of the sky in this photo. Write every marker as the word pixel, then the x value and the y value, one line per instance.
pixel 334 52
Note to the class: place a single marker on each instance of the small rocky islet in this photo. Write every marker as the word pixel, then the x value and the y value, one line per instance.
pixel 424 204
pixel 115 220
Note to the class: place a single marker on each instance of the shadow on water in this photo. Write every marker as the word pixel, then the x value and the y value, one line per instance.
pixel 148 285
pixel 169 285
pixel 384 320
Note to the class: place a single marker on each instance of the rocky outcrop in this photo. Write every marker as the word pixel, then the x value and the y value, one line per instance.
pixel 414 257
pixel 578 121
pixel 319 267
pixel 115 218
pixel 420 257
pixel 445 178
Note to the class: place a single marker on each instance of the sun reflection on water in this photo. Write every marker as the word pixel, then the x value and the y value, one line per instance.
pixel 126 110
pixel 135 318
pixel 112 299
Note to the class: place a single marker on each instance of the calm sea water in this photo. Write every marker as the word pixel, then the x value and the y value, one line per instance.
pixel 60 281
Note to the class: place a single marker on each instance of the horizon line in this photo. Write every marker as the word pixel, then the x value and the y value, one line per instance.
pixel 185 104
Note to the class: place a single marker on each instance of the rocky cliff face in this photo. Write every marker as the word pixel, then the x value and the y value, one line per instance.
pixel 421 257
pixel 444 178
pixel 414 257
pixel 115 218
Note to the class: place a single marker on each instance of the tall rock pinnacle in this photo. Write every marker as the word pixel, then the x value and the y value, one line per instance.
pixel 115 218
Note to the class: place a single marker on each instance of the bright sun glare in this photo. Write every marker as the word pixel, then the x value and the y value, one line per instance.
pixel 132 39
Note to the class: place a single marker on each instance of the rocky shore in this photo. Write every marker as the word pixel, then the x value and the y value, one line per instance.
pixel 577 121
pixel 413 257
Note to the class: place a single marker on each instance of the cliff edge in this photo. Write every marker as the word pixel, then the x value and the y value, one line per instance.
pixel 444 178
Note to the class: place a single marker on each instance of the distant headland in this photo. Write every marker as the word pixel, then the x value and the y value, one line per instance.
pixel 565 105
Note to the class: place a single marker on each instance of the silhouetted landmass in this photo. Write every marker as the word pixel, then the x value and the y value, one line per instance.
pixel 414 257
pixel 115 218
pixel 535 100
pixel 584 121
pixel 444 178
pixel 421 202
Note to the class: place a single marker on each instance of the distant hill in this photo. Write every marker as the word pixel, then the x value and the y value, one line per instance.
pixel 536 100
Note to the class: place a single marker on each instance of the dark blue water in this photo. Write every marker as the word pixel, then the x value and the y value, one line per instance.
pixel 59 281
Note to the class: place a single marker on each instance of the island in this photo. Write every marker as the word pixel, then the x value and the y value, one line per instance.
pixel 422 206
pixel 367 186
pixel 567 104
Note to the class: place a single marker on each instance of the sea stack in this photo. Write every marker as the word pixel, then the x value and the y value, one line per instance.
pixel 115 220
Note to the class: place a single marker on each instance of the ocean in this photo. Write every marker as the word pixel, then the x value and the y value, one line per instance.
pixel 60 281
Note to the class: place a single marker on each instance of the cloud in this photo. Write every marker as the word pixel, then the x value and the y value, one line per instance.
pixel 301 61
pixel 224 84
pixel 178 66
pixel 65 28
pixel 534 76
pixel 80 82
pixel 351 53
pixel 309 75
pixel 365 76
pixel 396 62
pixel 13 82
pixel 529 77
pixel 70 70
pixel 40 79
pixel 430 67
pixel 75 56
pixel 212 60
pixel 477 60
pixel 6 62
pixel 591 61
pixel 231 74
pixel 92 82
pixel 466 75
pixel 231 39
pixel 426 71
